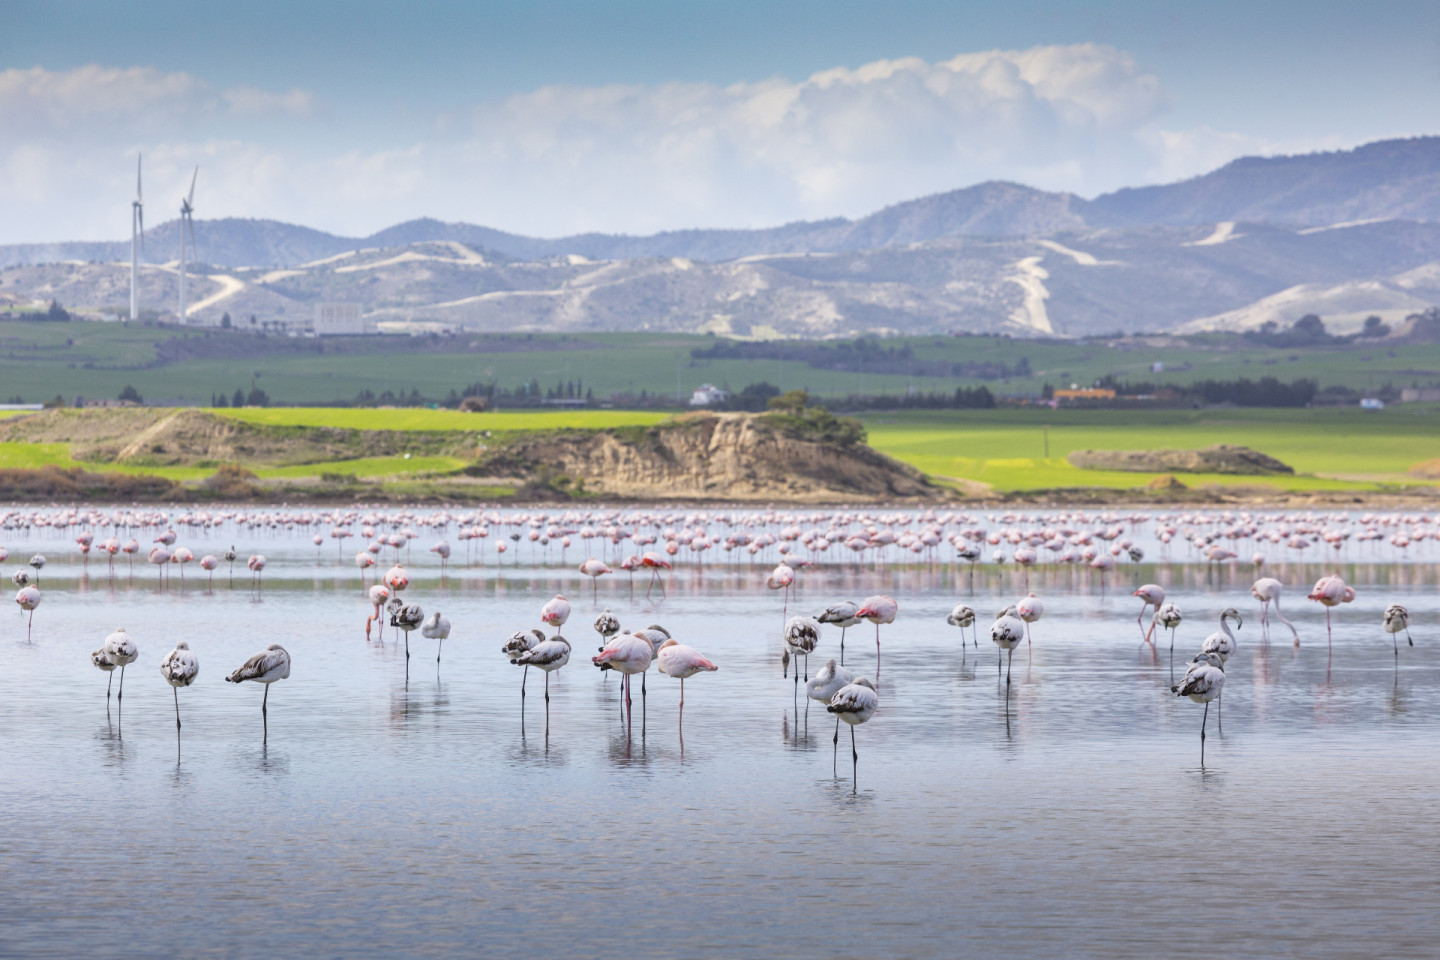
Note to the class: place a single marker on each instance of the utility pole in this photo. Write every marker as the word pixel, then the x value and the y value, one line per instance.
pixel 1047 442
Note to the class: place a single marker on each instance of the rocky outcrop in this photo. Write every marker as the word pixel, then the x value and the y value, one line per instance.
pixel 708 456
pixel 1221 458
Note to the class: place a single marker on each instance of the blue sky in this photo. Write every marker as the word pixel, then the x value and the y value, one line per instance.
pixel 548 118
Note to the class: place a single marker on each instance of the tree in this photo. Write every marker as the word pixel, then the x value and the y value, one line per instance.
pixel 219 401
pixel 257 398
pixel 239 399
pixel 131 394
pixel 252 319
pixel 57 312
pixel 225 322
pixel 1375 327
pixel 793 401
pixel 1310 325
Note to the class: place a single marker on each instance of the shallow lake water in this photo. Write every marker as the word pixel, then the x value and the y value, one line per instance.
pixel 430 812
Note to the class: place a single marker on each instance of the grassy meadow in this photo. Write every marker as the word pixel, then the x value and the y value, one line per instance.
pixel 39 360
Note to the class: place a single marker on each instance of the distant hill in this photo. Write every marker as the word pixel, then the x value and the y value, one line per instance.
pixel 1390 179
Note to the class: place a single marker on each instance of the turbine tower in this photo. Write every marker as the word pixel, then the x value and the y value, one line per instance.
pixel 137 241
pixel 187 227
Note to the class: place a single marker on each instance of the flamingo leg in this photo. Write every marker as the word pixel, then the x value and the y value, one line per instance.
pixel 176 691
pixel 524 675
pixel 835 750
pixel 264 702
pixel 1203 721
pixel 438 649
pixel 109 684
pixel 854 762
pixel 842 659
pixel 121 694
pixel 547 689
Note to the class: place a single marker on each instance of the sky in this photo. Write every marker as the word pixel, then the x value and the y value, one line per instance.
pixel 560 117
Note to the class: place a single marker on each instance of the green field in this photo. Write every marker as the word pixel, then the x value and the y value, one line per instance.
pixel 39 360
pixel 1329 448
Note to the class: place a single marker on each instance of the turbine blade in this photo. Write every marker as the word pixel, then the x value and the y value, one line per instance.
pixel 139 194
pixel 190 201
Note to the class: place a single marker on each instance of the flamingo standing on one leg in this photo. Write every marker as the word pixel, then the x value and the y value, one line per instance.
pixel 1267 590
pixel 1151 595
pixel 594 569
pixel 103 662
pixel 555 612
pixel 780 579
pixel 1169 616
pixel 1222 644
pixel 1203 682
pixel 407 618
pixel 265 667
pixel 436 627
pixel 878 609
pixel 1029 608
pixel 1007 631
pixel 179 668
pixel 1331 591
pixel 549 656
pixel 208 563
pixel 680 661
pixel 28 597
pixel 842 615
pixel 855 703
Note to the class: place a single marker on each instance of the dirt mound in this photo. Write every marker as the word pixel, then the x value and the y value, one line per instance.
pixel 1426 470
pixel 1166 482
pixel 1221 458
pixel 707 456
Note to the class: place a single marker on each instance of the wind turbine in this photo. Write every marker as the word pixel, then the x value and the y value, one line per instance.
pixel 187 227
pixel 137 241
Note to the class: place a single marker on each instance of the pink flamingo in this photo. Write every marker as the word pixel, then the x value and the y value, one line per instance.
pixel 1330 591
pixel 780 579
pixel 555 612
pixel 379 593
pixel 1267 590
pixel 257 566
pixel 629 655
pixel 594 569
pixel 679 661
pixel 1152 595
pixel 208 563
pixel 878 609
pixel 654 563
pixel 29 598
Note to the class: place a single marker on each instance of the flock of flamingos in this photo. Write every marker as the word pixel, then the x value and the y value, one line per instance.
pixel 793 541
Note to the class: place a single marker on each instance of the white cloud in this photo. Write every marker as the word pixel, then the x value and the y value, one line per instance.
pixel 563 159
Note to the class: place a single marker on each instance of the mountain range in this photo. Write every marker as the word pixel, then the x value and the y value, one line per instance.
pixel 1355 231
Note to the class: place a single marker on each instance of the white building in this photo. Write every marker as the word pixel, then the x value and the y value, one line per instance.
pixel 707 394
pixel 340 319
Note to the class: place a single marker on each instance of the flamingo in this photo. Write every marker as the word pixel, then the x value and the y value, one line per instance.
pixel 555 612
pixel 1397 618
pixel 396 578
pixel 179 668
pixel 878 609
pixel 1267 590
pixel 379 593
pixel 547 655
pixel 654 563
pixel 443 549
pixel 436 627
pixel 854 703
pixel 1029 608
pixel 520 643
pixel 160 557
pixel 656 635
pixel 229 556
pixel 802 634
pixel 629 655
pixel 594 569
pixel 679 661
pixel 607 625
pixel 37 562
pixel 1151 595
pixel 103 662
pixel 120 650
pixel 780 579
pixel 265 667
pixel 1203 682
pixel 842 615
pixel 1331 591
pixel 1007 631
pixel 407 618
pixel 208 563
pixel 822 687
pixel 1169 616
pixel 1222 644
pixel 28 597
pixel 962 616
pixel 257 566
